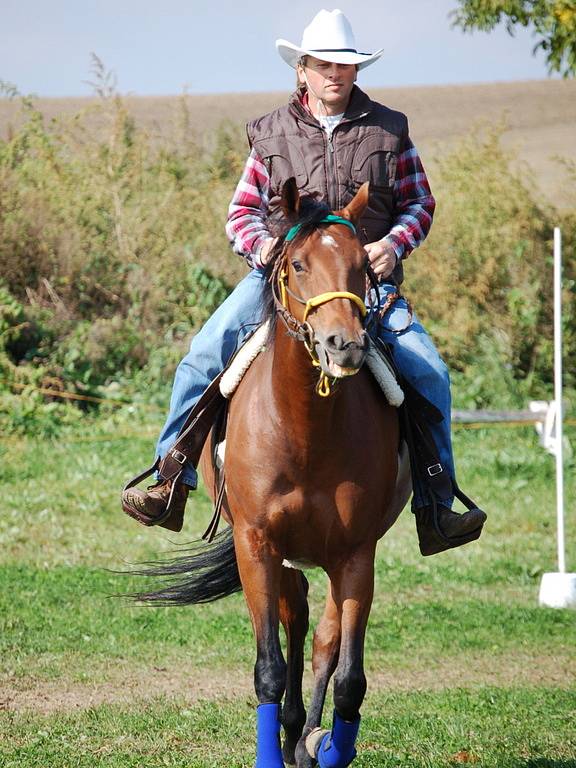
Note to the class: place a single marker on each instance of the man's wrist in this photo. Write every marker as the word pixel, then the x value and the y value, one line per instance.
pixel 263 248
pixel 394 247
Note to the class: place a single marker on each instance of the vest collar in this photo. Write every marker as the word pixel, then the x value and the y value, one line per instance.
pixel 359 106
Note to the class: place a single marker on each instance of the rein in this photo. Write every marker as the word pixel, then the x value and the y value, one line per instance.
pixel 303 331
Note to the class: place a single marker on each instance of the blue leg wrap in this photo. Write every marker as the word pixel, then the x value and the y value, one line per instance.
pixel 337 748
pixel 268 752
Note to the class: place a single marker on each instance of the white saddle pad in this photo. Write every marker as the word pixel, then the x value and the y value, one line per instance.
pixel 257 342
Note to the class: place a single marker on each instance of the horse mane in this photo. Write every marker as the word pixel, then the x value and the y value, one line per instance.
pixel 311 214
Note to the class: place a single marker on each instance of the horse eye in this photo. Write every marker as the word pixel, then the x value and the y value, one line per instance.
pixel 297 266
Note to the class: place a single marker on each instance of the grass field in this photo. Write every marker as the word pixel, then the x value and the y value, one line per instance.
pixel 462 664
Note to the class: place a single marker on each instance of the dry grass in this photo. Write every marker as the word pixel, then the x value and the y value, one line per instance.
pixel 540 117
pixel 193 682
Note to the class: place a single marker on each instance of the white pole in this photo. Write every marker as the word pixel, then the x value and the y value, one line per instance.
pixel 558 590
pixel 558 397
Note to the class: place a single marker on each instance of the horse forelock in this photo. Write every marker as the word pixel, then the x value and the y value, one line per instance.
pixel 311 214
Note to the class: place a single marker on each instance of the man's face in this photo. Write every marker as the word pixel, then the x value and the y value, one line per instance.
pixel 332 83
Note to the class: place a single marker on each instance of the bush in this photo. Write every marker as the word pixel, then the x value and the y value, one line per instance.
pixel 109 238
pixel 482 282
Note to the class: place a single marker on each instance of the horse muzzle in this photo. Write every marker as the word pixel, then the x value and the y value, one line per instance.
pixel 340 356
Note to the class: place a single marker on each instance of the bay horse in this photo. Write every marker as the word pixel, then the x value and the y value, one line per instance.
pixel 311 480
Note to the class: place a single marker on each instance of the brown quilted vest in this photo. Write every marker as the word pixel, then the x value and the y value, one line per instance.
pixel 364 146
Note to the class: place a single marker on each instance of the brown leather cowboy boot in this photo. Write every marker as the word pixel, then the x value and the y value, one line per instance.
pixel 158 505
pixel 443 529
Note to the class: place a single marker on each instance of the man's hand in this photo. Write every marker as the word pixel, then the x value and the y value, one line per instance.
pixel 382 258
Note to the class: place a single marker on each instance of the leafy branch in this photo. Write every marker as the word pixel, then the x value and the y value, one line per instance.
pixel 553 23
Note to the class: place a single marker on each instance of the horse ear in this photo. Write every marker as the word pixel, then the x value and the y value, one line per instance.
pixel 290 199
pixel 356 206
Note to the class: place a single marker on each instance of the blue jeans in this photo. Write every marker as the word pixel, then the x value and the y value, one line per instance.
pixel 210 350
pixel 418 361
pixel 215 343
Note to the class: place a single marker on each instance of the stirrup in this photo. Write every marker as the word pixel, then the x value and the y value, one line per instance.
pixel 143 518
pixel 431 537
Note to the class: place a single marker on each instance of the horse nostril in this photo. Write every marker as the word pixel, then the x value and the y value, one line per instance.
pixel 335 342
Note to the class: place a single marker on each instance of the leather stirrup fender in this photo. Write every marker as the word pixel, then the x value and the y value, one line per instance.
pixel 187 448
pixel 190 441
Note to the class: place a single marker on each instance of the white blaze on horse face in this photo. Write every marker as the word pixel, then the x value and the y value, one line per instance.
pixel 328 240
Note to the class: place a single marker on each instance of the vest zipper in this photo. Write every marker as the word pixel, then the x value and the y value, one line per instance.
pixel 332 162
pixel 332 155
pixel 302 114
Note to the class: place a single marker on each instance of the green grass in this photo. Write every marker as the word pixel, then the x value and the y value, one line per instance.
pixel 461 661
pixel 60 500
pixel 52 617
pixel 493 728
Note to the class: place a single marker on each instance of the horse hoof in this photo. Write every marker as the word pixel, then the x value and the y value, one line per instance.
pixel 313 740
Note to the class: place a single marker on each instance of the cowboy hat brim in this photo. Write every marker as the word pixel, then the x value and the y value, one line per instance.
pixel 291 54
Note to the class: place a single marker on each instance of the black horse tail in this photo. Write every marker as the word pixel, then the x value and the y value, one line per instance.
pixel 204 573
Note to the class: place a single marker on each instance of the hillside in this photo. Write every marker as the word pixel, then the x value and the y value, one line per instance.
pixel 540 118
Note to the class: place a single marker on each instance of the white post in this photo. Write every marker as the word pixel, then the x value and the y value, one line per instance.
pixel 558 397
pixel 558 590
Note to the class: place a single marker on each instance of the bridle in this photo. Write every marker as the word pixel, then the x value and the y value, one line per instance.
pixel 302 330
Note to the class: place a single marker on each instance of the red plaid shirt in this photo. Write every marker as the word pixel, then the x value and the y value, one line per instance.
pixel 246 225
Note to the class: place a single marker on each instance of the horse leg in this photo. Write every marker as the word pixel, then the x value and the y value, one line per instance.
pixel 324 660
pixel 294 617
pixel 354 587
pixel 260 571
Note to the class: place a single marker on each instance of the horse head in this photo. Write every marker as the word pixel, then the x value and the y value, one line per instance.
pixel 320 281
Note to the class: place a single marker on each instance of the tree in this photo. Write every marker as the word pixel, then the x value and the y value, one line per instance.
pixel 553 21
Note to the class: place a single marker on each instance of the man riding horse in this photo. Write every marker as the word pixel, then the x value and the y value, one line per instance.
pixel 331 137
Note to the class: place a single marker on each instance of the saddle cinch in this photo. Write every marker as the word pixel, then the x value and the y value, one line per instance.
pixel 211 411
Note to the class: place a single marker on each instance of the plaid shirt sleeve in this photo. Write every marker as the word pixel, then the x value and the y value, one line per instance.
pixel 414 204
pixel 246 228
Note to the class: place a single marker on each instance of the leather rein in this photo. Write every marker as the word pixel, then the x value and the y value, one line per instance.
pixel 302 330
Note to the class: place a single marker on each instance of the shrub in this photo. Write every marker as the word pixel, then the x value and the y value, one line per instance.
pixel 482 282
pixel 109 238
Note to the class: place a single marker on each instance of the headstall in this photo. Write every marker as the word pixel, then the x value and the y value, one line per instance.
pixel 302 330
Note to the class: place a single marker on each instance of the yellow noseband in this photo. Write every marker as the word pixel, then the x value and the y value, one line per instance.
pixel 324 298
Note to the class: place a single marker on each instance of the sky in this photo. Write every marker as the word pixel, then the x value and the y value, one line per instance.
pixel 157 48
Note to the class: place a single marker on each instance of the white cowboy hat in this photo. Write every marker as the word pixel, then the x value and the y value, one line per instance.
pixel 329 37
